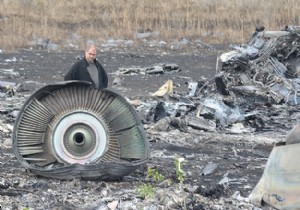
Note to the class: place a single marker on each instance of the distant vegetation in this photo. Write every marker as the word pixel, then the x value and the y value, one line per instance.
pixel 213 21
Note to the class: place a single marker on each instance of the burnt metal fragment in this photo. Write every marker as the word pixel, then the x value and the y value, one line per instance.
pixel 71 130
pixel 256 83
pixel 268 66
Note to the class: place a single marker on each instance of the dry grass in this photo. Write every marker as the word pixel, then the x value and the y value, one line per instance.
pixel 214 21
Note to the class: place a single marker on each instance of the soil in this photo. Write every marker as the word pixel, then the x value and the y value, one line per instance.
pixel 236 159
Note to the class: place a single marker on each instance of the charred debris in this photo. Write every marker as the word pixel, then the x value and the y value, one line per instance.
pixel 255 88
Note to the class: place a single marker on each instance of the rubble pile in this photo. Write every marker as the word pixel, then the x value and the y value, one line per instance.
pixel 255 88
pixel 260 80
pixel 266 69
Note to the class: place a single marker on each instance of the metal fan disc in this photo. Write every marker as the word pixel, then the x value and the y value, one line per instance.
pixel 80 137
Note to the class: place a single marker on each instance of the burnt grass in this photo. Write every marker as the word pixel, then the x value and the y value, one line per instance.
pixel 235 155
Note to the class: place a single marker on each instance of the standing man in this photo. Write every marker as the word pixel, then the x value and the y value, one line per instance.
pixel 89 69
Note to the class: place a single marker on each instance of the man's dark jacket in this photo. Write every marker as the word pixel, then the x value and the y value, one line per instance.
pixel 79 72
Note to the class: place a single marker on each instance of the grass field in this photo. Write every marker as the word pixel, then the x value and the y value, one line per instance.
pixel 213 21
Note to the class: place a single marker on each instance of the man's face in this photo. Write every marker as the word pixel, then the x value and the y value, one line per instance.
pixel 90 55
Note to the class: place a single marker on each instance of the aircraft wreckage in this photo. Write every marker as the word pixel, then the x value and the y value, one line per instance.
pixel 70 130
pixel 249 81
pixel 263 73
pixel 267 70
pixel 256 86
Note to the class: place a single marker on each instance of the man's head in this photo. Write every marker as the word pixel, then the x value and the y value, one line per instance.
pixel 90 53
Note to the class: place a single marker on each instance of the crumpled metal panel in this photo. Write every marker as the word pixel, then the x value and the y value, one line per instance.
pixel 269 64
pixel 71 130
pixel 253 78
pixel 279 185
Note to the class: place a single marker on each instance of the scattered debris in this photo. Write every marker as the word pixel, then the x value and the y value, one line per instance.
pixel 167 88
pixel 213 191
pixel 265 70
pixel 177 122
pixel 192 87
pixel 156 69
pixel 113 205
pixel 221 105
pixel 8 88
pixel 209 169
pixel 252 83
pixel 201 123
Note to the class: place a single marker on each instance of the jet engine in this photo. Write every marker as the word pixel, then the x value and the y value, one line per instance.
pixel 70 130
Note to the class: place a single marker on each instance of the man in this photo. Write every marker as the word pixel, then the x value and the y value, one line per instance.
pixel 89 69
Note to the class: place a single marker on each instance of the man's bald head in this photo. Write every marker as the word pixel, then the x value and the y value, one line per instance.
pixel 90 53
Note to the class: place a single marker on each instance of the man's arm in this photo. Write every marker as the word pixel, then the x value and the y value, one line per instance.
pixel 71 74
